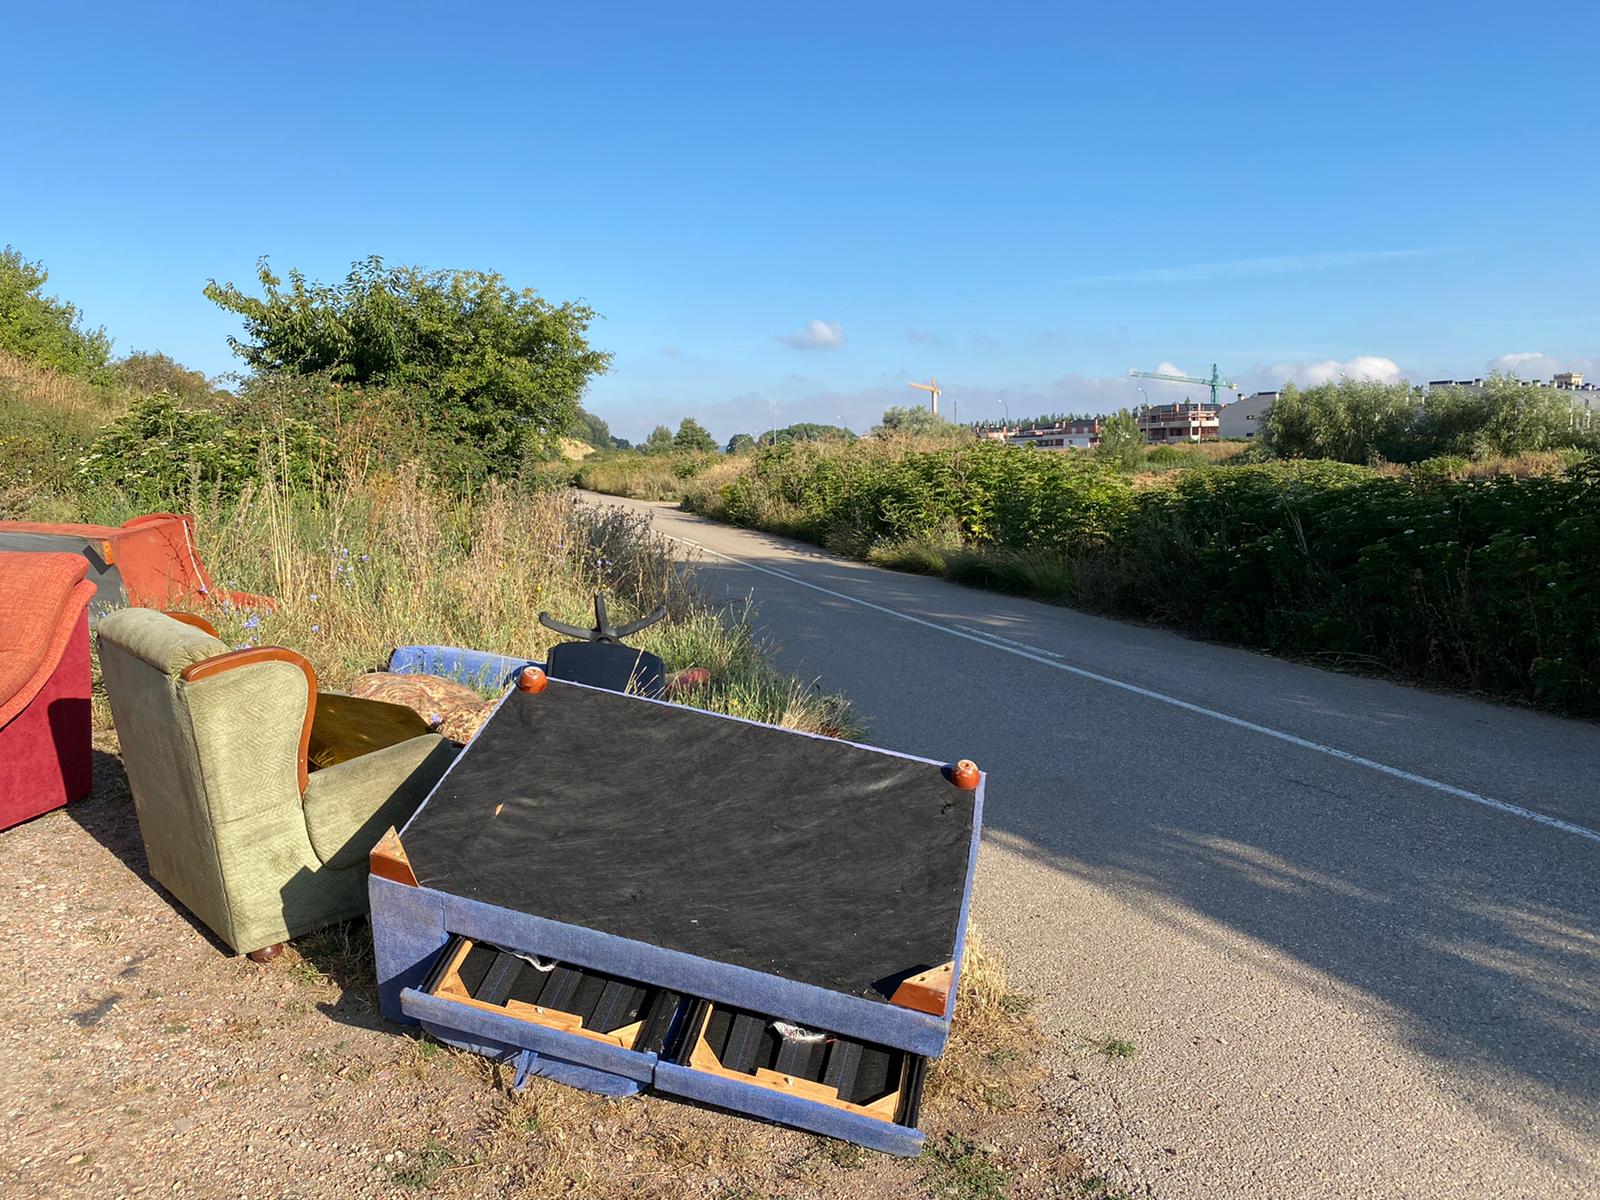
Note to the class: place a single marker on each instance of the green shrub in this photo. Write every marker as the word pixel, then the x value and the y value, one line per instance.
pixel 45 329
pixel 482 367
pixel 1488 583
pixel 161 452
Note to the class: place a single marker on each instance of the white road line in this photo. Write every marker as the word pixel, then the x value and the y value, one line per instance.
pixel 1005 645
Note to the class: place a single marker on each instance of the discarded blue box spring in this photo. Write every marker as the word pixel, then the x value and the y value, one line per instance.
pixel 618 892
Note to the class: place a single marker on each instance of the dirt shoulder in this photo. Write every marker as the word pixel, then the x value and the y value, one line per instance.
pixel 143 1059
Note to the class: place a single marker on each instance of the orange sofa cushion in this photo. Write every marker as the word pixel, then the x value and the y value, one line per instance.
pixel 41 598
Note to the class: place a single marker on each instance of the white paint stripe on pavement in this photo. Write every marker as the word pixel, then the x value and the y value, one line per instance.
pixel 1047 658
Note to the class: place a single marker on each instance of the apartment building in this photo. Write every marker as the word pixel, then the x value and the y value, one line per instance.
pixel 1242 418
pixel 1163 424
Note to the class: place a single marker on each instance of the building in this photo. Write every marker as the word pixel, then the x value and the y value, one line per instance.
pixel 1163 424
pixel 1242 418
pixel 1572 380
pixel 1072 434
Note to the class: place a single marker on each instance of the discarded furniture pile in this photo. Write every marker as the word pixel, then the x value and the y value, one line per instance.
pixel 45 754
pixel 605 888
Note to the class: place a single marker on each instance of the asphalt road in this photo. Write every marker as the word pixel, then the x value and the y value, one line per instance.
pixel 1352 928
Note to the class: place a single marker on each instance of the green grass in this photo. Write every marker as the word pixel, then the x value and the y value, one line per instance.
pixel 1114 1048
pixel 957 1168
pixel 422 1168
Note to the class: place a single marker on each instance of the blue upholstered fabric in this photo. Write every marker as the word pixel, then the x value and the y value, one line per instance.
pixel 475 1024
pixel 966 899
pixel 407 934
pixel 769 1105
pixel 573 1074
pixel 475 668
pixel 816 1008
pixel 531 1062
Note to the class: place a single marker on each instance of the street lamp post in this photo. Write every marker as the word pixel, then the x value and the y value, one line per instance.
pixel 1007 409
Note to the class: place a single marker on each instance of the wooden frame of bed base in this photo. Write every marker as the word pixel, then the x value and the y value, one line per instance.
pixel 450 987
pixel 703 1058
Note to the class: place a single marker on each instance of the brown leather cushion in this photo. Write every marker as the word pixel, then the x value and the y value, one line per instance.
pixel 452 708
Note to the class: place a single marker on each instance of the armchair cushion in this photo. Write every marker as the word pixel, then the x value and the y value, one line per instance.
pixel 348 806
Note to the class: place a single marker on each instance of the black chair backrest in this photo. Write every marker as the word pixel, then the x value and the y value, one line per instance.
pixel 609 665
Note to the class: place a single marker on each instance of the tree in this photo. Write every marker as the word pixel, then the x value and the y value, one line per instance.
pixel 692 436
pixel 590 428
pixel 1360 421
pixel 486 369
pixel 44 328
pixel 1289 427
pixel 912 420
pixel 740 442
pixel 147 373
pixel 659 441
pixel 1121 440
pixel 810 431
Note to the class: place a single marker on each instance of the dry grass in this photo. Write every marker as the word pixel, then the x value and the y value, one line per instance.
pixel 641 476
pixel 393 561
pixel 1526 464
pixel 54 392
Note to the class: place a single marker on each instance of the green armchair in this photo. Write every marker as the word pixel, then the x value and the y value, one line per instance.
pixel 237 822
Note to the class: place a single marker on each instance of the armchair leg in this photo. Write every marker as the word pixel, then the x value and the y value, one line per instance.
pixel 266 954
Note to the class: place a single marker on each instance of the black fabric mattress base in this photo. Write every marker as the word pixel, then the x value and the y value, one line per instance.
pixel 829 864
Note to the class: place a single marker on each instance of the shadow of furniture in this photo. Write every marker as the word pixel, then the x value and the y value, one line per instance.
pixel 45 756
pixel 237 821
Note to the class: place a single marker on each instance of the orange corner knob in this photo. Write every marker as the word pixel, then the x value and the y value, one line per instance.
pixel 965 774
pixel 531 679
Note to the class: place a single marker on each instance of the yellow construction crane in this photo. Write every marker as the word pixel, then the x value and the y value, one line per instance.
pixel 932 388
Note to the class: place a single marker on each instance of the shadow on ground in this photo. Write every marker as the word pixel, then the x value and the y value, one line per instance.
pixel 341 953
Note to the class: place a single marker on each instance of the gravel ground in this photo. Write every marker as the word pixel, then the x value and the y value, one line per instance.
pixel 142 1059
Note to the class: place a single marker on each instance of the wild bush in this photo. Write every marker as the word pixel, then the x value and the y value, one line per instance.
pixel 1485 582
pixel 162 453
pixel 481 368
pixel 44 329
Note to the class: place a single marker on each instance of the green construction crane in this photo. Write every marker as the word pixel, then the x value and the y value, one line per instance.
pixel 1216 381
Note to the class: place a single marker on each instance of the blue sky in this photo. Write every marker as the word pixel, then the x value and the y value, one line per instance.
pixel 811 205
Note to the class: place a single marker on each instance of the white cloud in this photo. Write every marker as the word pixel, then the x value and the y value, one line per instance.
pixel 1531 364
pixel 1240 268
pixel 815 335
pixel 1309 374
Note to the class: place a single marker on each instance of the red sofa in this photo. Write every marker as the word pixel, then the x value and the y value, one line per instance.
pixel 45 756
pixel 150 561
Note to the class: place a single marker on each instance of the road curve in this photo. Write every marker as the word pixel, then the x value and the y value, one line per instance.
pixel 1352 928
